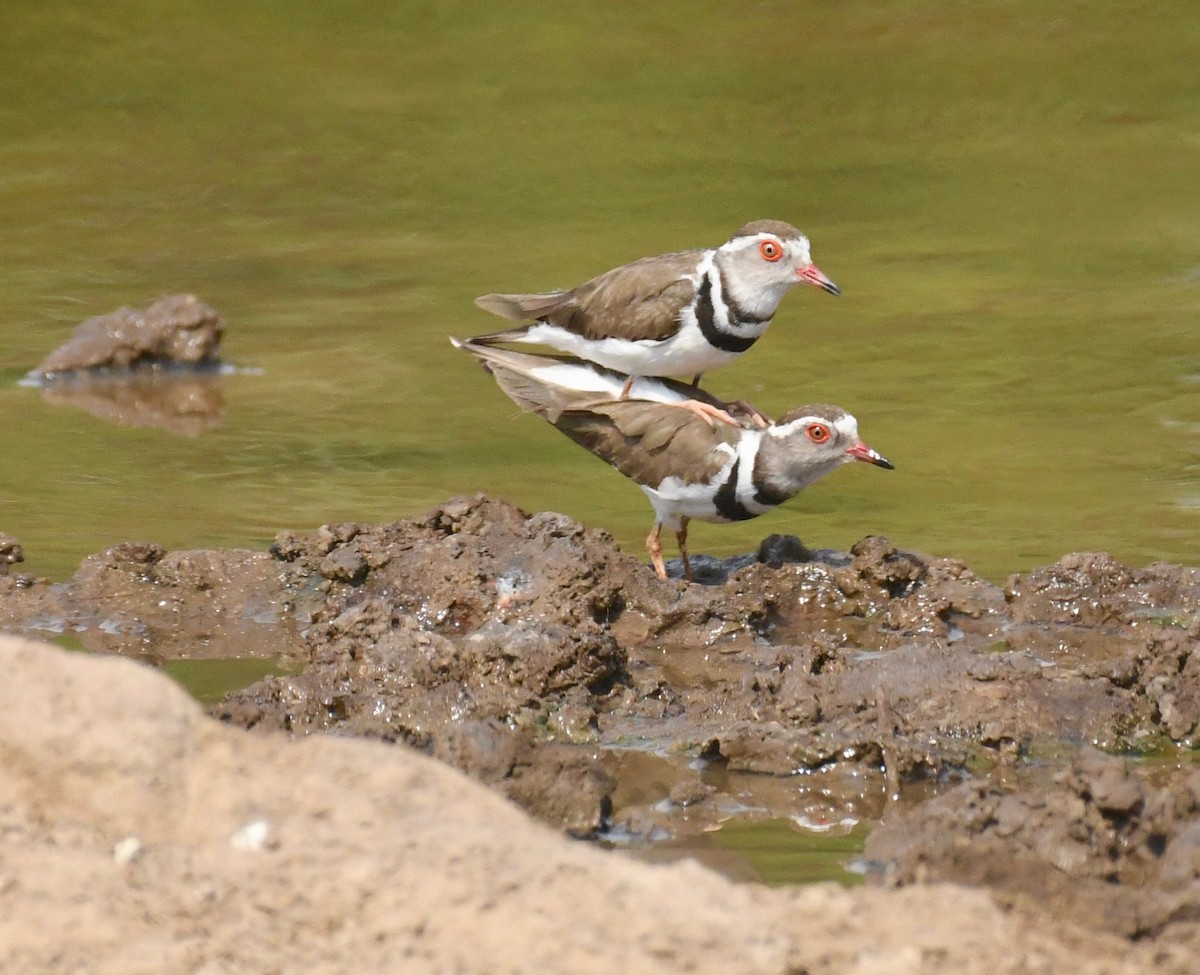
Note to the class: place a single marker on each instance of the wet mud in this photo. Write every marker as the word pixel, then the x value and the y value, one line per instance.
pixel 1033 739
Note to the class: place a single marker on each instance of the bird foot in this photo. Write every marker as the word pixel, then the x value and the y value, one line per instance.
pixel 741 410
pixel 707 412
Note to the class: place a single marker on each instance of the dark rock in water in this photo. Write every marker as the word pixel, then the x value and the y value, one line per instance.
pixel 777 550
pixel 178 329
pixel 774 551
pixel 10 553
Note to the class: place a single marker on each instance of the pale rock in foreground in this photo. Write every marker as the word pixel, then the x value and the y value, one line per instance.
pixel 380 860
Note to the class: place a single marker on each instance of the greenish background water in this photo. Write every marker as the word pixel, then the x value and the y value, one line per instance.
pixel 1006 192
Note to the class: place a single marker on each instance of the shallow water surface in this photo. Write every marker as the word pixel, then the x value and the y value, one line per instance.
pixel 1006 194
pixel 208 681
pixel 771 851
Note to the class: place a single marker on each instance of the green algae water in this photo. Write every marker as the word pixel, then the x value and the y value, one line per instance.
pixel 208 681
pixel 780 854
pixel 1006 193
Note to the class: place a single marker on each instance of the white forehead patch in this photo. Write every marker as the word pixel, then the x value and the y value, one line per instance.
pixel 800 248
pixel 847 426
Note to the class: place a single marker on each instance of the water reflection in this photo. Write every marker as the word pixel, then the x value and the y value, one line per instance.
pixel 184 403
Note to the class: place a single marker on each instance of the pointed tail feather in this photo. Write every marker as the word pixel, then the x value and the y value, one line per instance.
pixel 582 380
pixel 545 400
pixel 511 372
pixel 522 308
pixel 480 347
pixel 493 338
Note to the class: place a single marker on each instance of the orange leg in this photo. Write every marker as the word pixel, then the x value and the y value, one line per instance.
pixel 654 547
pixel 681 538
pixel 709 414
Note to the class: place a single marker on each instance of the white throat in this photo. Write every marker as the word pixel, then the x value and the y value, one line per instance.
pixel 757 298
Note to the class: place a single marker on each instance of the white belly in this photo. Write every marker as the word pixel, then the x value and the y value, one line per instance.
pixel 674 502
pixel 686 353
pixel 673 499
pixel 587 378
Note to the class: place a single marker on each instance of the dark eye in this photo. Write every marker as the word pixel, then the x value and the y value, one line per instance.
pixel 771 250
pixel 817 432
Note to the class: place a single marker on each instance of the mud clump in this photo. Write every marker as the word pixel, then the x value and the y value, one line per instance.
pixel 465 561
pixel 140 600
pixel 10 553
pixel 156 367
pixel 875 669
pixel 178 329
pixel 494 704
pixel 1099 844
pixel 475 634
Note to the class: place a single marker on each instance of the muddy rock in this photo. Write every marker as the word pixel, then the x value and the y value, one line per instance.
pixel 10 553
pixel 140 600
pixel 875 593
pixel 1093 589
pixel 475 634
pixel 175 329
pixel 874 668
pixel 467 560
pixel 560 785
pixel 1099 844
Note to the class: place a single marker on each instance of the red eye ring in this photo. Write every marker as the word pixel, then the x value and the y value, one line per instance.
pixel 817 432
pixel 770 250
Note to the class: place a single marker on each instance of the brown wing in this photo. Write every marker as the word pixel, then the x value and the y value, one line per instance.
pixel 641 300
pixel 648 442
pixel 645 441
